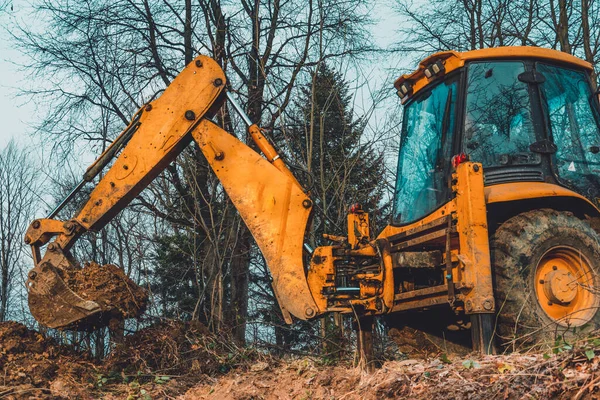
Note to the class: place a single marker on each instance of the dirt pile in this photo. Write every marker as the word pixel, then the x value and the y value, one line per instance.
pixel 111 288
pixel 30 362
pixel 162 360
pixel 174 359
pixel 176 348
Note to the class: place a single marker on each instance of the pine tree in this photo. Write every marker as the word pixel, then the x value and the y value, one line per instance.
pixel 340 167
pixel 175 278
pixel 343 168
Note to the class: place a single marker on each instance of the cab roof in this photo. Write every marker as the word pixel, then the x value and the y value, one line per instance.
pixel 453 60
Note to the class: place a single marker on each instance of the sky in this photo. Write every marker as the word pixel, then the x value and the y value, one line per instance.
pixel 14 114
pixel 17 115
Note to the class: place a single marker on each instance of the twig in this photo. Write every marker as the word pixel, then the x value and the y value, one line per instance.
pixel 583 389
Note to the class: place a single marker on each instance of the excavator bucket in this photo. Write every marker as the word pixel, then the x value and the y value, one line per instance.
pixel 53 304
pixel 83 298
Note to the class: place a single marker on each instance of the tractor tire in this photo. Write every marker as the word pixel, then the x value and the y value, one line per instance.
pixel 545 265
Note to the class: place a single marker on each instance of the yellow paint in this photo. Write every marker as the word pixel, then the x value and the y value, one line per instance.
pixel 454 60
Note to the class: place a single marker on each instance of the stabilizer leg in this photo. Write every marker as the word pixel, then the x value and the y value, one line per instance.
pixel 482 333
pixel 364 345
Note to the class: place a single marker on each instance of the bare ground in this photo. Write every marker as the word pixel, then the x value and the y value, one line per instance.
pixel 185 361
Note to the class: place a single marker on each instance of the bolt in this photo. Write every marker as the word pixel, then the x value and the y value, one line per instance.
pixel 218 82
pixel 32 275
pixel 27 240
pixel 148 107
pixel 469 305
pixel 554 267
pixel 68 225
pixel 99 202
pixel 309 312
pixel 476 168
pixel 219 156
pixel 198 63
pixel 190 115
pixel 306 203
pixel 541 281
pixel 52 247
pixel 36 224
pixel 488 305
pixel 125 167
pixel 112 184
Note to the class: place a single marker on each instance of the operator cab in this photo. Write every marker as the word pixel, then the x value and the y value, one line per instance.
pixel 527 114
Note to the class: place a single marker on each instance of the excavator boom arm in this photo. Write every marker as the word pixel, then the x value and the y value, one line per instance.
pixel 268 197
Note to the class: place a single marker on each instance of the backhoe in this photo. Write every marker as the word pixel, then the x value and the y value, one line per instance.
pixel 495 213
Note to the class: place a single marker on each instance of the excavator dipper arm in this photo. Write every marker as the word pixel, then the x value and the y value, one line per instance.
pixel 268 197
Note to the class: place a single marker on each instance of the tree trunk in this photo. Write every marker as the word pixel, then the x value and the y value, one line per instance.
pixel 239 286
pixel 562 30
pixel 187 33
pixel 587 48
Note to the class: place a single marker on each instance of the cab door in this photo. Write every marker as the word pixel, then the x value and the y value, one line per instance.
pixel 572 120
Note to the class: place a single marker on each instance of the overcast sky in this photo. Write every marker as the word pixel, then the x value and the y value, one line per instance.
pixel 16 116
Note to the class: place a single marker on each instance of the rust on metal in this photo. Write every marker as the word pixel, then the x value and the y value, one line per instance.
pixel 270 201
pixel 474 238
pixel 153 140
pixel 430 237
pixel 418 259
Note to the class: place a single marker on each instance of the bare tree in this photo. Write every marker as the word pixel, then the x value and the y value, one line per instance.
pixel 116 55
pixel 571 26
pixel 104 59
pixel 17 204
pixel 5 5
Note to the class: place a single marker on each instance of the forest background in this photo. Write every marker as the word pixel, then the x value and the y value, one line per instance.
pixel 316 74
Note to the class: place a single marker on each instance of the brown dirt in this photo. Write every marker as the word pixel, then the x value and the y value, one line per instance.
pixel 111 288
pixel 423 345
pixel 175 348
pixel 165 359
pixel 513 376
pixel 185 361
pixel 30 363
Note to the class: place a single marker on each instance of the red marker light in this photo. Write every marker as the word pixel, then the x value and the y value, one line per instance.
pixel 355 208
pixel 459 159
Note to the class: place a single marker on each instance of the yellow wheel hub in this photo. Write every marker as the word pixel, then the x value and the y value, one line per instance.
pixel 564 278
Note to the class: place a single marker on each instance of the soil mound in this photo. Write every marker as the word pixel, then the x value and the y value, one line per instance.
pixel 165 359
pixel 111 288
pixel 174 348
pixel 570 375
pixel 175 359
pixel 30 362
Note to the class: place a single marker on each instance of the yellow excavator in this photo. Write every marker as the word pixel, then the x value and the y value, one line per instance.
pixel 495 213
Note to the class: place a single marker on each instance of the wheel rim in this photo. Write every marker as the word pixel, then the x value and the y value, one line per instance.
pixel 564 286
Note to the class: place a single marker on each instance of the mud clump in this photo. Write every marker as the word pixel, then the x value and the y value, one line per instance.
pixel 111 288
